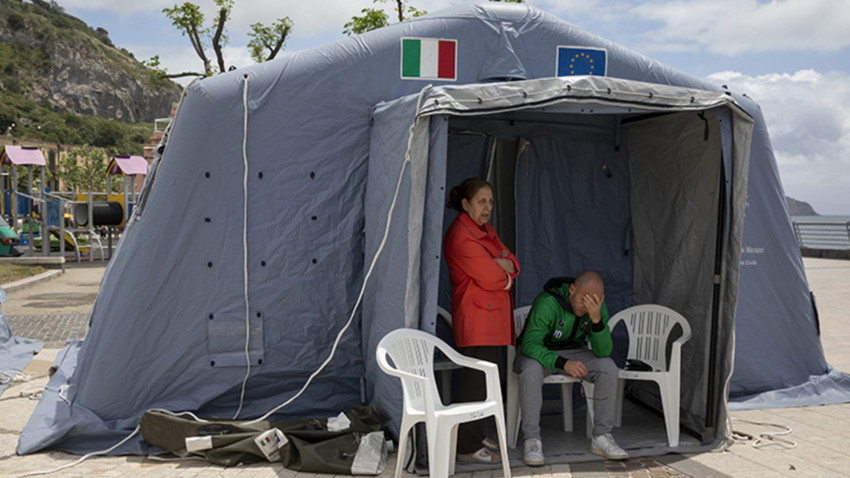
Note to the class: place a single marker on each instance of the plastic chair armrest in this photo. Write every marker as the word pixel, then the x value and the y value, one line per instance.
pixel 465 361
pixel 386 367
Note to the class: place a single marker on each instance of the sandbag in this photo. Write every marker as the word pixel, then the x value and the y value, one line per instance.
pixel 310 447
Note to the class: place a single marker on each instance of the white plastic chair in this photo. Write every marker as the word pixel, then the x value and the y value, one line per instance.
pixel 649 328
pixel 566 382
pixel 412 354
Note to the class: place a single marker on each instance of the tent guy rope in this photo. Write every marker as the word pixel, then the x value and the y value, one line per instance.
pixel 245 241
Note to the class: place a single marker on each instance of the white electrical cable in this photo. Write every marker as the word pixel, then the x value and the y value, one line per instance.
pixel 82 459
pixel 245 241
pixel 13 376
pixel 368 273
pixel 774 437
pixel 103 452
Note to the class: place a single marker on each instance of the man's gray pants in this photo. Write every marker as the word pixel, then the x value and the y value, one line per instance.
pixel 601 371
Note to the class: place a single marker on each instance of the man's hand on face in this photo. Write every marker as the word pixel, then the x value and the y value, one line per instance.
pixel 593 304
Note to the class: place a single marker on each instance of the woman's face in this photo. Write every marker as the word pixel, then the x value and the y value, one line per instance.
pixel 480 206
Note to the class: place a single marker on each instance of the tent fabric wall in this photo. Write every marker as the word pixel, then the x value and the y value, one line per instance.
pixel 786 366
pixel 15 352
pixel 675 200
pixel 574 217
pixel 387 225
pixel 176 297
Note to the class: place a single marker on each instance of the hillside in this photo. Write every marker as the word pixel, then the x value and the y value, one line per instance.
pixel 53 62
pixel 800 208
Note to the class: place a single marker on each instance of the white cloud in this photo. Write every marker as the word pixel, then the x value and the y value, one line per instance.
pixel 809 126
pixel 120 7
pixel 732 27
pixel 311 18
pixel 565 8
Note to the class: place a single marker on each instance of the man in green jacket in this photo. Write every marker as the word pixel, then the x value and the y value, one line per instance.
pixel 564 318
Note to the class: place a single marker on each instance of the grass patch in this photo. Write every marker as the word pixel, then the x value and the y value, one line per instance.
pixel 12 272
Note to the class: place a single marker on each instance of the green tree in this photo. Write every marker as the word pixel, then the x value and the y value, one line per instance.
pixel 154 66
pixel 83 169
pixel 374 18
pixel 189 19
pixel 269 38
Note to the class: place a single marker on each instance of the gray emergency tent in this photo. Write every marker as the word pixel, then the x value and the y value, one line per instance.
pixel 265 213
pixel 15 352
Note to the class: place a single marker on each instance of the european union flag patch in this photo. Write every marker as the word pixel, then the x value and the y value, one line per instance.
pixel 572 60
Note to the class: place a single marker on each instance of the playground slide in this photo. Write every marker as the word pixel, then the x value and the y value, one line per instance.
pixel 70 242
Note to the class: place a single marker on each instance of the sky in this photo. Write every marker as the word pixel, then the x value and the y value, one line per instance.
pixel 791 56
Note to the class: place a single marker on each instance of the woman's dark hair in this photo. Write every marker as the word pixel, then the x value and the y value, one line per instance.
pixel 465 190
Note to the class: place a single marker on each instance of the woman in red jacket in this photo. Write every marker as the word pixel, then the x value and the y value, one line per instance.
pixel 482 270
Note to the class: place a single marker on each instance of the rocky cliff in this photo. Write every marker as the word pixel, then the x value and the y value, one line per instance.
pixel 50 56
pixel 800 208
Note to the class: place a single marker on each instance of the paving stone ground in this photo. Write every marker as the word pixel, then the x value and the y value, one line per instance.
pixel 59 309
pixel 53 329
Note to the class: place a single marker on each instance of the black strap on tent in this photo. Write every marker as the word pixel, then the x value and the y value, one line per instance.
pixel 701 115
pixel 815 310
pixel 713 383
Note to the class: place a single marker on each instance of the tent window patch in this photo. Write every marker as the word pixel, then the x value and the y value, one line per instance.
pixel 572 61
pixel 226 340
pixel 428 59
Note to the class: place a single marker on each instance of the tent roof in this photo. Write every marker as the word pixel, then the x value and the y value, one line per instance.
pixel 127 165
pixel 618 94
pixel 22 155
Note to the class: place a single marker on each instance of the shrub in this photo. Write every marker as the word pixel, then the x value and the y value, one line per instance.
pixel 15 21
pixel 13 85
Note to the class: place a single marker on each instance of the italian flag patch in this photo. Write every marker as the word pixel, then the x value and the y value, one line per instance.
pixel 428 59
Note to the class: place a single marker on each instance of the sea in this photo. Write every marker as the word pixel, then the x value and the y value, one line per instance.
pixel 839 219
pixel 835 228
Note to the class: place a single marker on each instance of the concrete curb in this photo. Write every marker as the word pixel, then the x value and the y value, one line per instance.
pixel 23 283
pixel 48 261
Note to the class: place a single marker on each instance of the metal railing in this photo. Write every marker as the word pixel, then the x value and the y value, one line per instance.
pixel 823 235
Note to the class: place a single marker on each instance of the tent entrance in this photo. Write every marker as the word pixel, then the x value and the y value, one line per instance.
pixel 588 173
pixel 635 197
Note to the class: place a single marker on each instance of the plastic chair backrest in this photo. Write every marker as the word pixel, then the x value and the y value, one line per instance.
pixel 520 316
pixel 412 355
pixel 649 327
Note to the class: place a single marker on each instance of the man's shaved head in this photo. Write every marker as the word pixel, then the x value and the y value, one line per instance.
pixel 587 283
pixel 589 278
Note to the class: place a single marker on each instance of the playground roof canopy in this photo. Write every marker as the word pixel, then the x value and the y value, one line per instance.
pixel 127 165
pixel 22 156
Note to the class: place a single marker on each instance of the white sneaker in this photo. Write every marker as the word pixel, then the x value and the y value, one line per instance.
pixel 604 445
pixel 533 455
